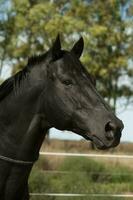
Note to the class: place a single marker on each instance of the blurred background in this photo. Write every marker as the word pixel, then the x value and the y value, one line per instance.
pixel 28 28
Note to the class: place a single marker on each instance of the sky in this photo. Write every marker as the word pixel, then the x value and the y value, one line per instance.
pixel 127 118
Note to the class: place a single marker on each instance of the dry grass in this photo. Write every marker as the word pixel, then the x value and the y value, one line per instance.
pixel 83 146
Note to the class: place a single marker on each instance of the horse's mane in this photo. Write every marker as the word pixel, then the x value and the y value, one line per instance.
pixel 8 85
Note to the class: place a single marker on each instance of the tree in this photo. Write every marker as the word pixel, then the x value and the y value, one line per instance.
pixel 109 47
pixel 32 24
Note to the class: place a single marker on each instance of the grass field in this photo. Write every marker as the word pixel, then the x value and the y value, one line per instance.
pixel 81 175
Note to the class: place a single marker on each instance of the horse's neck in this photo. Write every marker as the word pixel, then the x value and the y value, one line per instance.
pixel 34 138
pixel 38 126
pixel 22 110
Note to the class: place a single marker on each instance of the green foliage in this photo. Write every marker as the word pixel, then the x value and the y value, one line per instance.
pixel 31 25
pixel 37 180
pixel 39 183
pixel 82 175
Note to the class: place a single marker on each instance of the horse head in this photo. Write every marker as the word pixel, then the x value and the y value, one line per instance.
pixel 73 102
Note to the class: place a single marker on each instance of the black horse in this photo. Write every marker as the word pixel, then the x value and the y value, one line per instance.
pixel 53 90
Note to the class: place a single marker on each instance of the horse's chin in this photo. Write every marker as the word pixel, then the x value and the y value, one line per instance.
pixel 96 141
pixel 99 143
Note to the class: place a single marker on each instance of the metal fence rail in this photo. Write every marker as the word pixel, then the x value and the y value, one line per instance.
pixel 82 195
pixel 87 155
pixel 81 172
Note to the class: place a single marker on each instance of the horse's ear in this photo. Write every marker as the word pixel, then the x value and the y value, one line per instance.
pixel 56 48
pixel 78 47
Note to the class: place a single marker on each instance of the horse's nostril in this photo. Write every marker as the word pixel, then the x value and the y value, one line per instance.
pixel 113 131
pixel 110 127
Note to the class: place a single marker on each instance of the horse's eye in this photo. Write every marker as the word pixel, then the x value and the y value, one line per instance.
pixel 67 82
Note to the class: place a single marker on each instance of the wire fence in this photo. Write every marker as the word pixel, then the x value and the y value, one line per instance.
pixel 80 172
pixel 82 195
pixel 110 156
pixel 86 155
